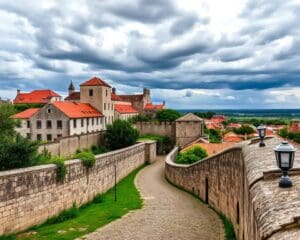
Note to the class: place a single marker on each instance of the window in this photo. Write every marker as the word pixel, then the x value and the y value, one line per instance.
pixel 28 124
pixel 101 120
pixel 74 123
pixel 82 123
pixel 48 110
pixel 39 137
pixel 49 137
pixel 91 92
pixel 106 92
pixel 59 124
pixel 93 121
pixel 28 135
pixel 97 121
pixel 87 121
pixel 49 124
pixel 59 135
pixel 104 106
pixel 38 124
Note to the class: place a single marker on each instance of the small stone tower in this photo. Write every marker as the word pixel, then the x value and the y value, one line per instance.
pixel 71 88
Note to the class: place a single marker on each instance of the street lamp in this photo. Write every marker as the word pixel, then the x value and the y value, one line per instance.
pixel 262 133
pixel 285 154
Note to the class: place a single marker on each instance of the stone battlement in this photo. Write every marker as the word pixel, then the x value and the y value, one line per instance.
pixel 242 183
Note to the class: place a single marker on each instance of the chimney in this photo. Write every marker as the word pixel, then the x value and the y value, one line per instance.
pixel 146 91
pixel 114 90
pixel 164 102
pixel 18 91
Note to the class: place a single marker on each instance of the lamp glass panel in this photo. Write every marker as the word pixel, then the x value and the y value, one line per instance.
pixel 285 159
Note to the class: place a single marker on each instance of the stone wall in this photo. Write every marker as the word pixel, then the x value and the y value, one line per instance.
pixel 31 195
pixel 68 145
pixel 242 183
pixel 157 128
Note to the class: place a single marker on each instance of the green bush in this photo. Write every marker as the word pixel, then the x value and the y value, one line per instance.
pixel 167 115
pixel 70 213
pixel 44 157
pixel 98 149
pixel 194 154
pixel 61 170
pixel 244 129
pixel 120 134
pixel 23 107
pixel 17 152
pixel 98 199
pixel 88 159
pixel 163 143
pixel 4 237
pixel 140 118
pixel 214 135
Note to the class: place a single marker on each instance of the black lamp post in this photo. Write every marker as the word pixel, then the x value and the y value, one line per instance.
pixel 285 155
pixel 262 133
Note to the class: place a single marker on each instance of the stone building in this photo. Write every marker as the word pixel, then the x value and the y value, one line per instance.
pixel 2 101
pixel 188 129
pixel 59 119
pixel 36 97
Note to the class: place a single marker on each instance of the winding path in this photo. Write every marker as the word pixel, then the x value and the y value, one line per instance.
pixel 168 213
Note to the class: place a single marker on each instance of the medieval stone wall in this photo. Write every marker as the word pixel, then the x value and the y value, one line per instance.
pixel 157 128
pixel 68 145
pixel 242 183
pixel 29 196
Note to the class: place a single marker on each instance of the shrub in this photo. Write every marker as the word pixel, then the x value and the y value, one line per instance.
pixel 61 170
pixel 88 159
pixel 44 157
pixel 244 129
pixel 194 154
pixel 17 152
pixel 70 213
pixel 140 118
pixel 98 199
pixel 98 149
pixel 163 145
pixel 167 115
pixel 120 134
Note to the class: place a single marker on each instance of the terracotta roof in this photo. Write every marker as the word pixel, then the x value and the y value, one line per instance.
pixel 150 106
pixel 36 96
pixel 234 125
pixel 73 96
pixel 131 98
pixel 189 117
pixel 26 113
pixel 211 148
pixel 211 124
pixel 232 137
pixel 122 108
pixel 95 81
pixel 115 97
pixel 77 110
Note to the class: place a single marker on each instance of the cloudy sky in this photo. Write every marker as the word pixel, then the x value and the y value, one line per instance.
pixel 193 54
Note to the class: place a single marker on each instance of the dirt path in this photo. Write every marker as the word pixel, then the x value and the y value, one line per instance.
pixel 168 213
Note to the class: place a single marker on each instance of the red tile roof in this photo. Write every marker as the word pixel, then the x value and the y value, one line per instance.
pixel 132 98
pixel 26 113
pixel 150 106
pixel 122 108
pixel 77 110
pixel 115 97
pixel 95 81
pixel 211 148
pixel 232 137
pixel 73 96
pixel 234 125
pixel 36 96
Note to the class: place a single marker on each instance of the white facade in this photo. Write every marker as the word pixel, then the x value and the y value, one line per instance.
pixel 124 116
pixel 24 128
pixel 79 126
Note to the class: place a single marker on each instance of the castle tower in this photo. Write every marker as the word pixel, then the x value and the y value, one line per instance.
pixel 71 88
pixel 97 92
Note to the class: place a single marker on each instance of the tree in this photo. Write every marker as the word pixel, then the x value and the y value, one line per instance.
pixel 244 129
pixel 17 152
pixel 167 115
pixel 120 134
pixel 7 123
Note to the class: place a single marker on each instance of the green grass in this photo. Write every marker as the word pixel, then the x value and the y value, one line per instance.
pixel 102 210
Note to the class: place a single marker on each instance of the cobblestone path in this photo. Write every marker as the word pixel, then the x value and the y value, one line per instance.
pixel 168 213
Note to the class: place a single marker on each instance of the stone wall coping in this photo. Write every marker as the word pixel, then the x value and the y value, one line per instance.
pixel 38 168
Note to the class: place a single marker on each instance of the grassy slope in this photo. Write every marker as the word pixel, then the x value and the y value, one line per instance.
pixel 94 216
